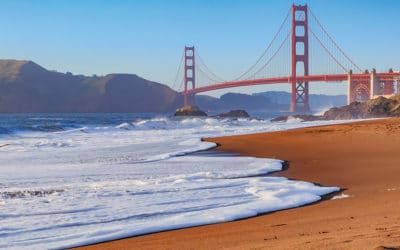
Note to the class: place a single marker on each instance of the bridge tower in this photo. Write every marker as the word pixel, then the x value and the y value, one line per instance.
pixel 300 100
pixel 190 75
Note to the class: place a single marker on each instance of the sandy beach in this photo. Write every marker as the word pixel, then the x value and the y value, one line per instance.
pixel 362 158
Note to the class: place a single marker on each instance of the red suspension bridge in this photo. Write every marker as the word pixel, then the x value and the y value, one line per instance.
pixel 292 41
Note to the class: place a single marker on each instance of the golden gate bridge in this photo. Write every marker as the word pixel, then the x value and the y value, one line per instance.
pixel 314 55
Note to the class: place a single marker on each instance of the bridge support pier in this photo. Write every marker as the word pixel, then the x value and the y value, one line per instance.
pixel 300 100
pixel 389 86
pixel 349 87
pixel 374 86
pixel 381 86
pixel 359 88
pixel 398 87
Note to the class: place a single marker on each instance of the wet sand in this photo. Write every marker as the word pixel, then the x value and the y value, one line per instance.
pixel 363 158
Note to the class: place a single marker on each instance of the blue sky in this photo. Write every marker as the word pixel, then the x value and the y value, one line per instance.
pixel 147 37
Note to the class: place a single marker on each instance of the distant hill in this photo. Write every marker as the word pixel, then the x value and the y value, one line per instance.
pixel 317 102
pixel 230 101
pixel 26 87
pixel 271 101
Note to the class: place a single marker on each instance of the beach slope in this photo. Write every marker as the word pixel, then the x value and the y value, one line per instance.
pixel 362 158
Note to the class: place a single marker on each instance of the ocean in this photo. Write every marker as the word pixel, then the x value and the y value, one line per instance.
pixel 73 179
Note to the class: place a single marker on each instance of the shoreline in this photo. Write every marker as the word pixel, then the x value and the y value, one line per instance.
pixel 246 233
pixel 212 151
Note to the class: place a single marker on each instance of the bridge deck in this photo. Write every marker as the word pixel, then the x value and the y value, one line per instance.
pixel 279 80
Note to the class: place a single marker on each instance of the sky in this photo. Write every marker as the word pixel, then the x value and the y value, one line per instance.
pixel 147 37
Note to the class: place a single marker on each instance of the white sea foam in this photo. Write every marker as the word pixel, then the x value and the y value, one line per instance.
pixel 322 110
pixel 341 196
pixel 292 119
pixel 97 183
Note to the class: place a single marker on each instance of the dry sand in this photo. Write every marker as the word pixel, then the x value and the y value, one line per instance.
pixel 363 158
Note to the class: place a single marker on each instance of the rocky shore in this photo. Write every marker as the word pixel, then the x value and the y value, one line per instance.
pixel 189 110
pixel 375 108
pixel 238 113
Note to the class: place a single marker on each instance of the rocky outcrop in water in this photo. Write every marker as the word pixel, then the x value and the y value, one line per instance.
pixel 189 110
pixel 374 108
pixel 235 113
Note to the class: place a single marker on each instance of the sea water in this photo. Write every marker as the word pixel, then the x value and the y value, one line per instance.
pixel 69 180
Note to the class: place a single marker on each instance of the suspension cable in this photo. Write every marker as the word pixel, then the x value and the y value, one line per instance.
pixel 266 50
pixel 177 73
pixel 220 79
pixel 272 57
pixel 327 51
pixel 333 41
pixel 207 75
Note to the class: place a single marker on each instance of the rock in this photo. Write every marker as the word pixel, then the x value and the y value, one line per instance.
pixel 374 108
pixel 354 110
pixel 235 113
pixel 280 119
pixel 190 111
pixel 301 117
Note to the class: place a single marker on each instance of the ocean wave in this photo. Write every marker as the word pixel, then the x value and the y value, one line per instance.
pixel 4 131
pixel 125 126
pixel 42 128
pixel 189 123
pixel 156 123
pixel 28 193
pixel 52 144
pixel 57 124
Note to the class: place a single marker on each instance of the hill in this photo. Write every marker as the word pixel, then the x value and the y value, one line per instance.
pixel 26 87
pixel 317 102
pixel 270 101
pixel 231 101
